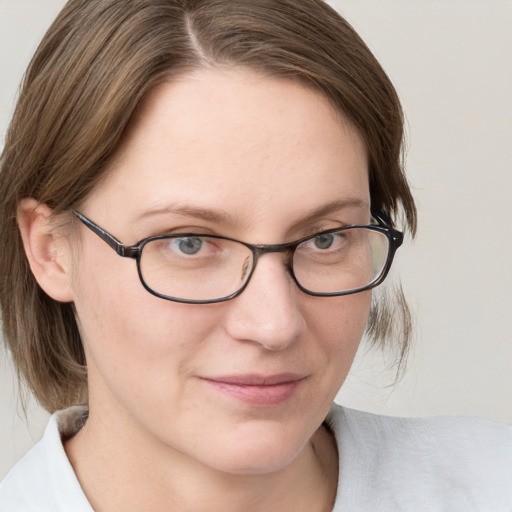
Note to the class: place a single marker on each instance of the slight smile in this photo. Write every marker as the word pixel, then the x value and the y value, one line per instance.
pixel 258 390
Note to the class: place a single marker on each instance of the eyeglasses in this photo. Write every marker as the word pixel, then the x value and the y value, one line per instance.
pixel 202 269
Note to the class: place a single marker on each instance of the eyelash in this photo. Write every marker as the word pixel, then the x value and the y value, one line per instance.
pixel 319 229
pixel 196 230
pixel 201 230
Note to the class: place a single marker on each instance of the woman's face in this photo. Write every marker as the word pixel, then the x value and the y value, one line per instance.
pixel 258 159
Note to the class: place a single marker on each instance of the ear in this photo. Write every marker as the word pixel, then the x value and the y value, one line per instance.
pixel 48 254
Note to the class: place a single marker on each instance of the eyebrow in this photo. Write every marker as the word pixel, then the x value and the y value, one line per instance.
pixel 215 216
pixel 334 206
pixel 223 217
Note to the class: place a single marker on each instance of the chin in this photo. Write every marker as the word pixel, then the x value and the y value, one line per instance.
pixel 261 452
pixel 253 462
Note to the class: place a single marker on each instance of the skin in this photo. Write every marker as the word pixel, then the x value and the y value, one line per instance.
pixel 263 155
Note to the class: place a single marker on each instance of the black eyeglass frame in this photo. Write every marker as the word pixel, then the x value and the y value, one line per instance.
pixel 394 236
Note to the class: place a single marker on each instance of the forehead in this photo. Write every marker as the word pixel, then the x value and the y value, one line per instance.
pixel 237 140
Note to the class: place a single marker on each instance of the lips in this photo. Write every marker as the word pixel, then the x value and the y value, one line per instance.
pixel 257 390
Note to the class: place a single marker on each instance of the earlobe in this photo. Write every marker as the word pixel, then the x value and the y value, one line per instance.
pixel 48 253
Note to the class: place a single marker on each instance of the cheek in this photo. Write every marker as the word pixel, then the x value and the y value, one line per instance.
pixel 340 321
pixel 339 324
pixel 136 344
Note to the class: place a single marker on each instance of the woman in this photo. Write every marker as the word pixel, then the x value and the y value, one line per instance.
pixel 246 155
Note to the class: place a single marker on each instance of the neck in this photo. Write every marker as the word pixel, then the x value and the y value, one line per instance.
pixel 120 469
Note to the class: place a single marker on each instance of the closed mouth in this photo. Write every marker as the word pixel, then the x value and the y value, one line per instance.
pixel 258 390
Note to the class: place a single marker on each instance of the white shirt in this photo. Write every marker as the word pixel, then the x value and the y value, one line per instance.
pixel 385 464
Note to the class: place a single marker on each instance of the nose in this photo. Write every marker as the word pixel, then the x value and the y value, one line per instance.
pixel 267 312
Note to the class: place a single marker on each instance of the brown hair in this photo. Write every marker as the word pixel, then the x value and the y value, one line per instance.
pixel 93 67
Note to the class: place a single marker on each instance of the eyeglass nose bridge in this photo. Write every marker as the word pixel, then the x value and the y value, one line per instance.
pixel 259 250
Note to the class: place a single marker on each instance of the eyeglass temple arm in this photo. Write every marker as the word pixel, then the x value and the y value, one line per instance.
pixel 112 241
pixel 397 236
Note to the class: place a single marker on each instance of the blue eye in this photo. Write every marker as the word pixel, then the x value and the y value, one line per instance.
pixel 323 241
pixel 189 245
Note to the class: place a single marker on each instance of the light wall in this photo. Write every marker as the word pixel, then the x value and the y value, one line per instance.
pixel 450 61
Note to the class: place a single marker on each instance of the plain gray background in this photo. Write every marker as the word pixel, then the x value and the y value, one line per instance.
pixel 450 61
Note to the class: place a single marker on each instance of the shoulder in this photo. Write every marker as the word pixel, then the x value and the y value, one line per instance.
pixel 469 436
pixel 15 491
pixel 461 461
pixel 43 480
